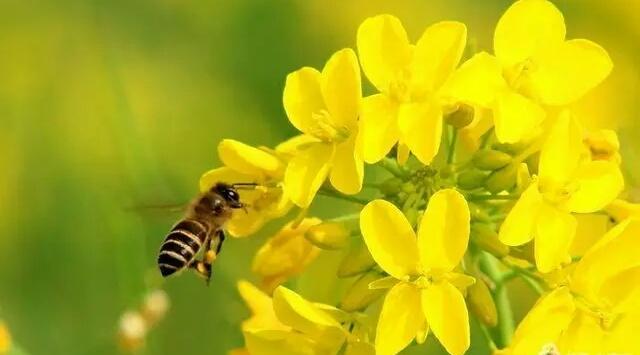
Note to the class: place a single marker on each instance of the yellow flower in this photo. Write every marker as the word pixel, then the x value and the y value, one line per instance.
pixel 595 311
pixel 621 209
pixel 567 182
pixel 409 108
pixel 5 339
pixel 303 328
pixel 286 254
pixel 534 68
pixel 325 107
pixel 428 293
pixel 244 163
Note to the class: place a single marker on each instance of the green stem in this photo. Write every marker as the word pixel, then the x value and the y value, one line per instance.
pixel 506 324
pixel 391 165
pixel 452 146
pixel 336 194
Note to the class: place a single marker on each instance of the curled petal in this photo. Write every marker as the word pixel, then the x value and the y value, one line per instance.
pixel 248 160
pixel 307 171
pixel 518 227
pixel 347 170
pixel 383 49
pixel 341 88
pixel 378 127
pixel 599 183
pixel 447 316
pixel 438 53
pixel 390 238
pixel 569 71
pixel 528 27
pixel 400 319
pixel 516 117
pixel 555 230
pixel 443 235
pixel 302 98
pixel 421 129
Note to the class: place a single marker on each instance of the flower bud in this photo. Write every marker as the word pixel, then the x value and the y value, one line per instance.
pixel 328 235
pixel 510 148
pixel 359 296
pixel 487 239
pixel 481 303
pixel 461 117
pixel 391 186
pixel 5 339
pixel 132 331
pixel 356 261
pixel 489 159
pixel 503 179
pixel 471 179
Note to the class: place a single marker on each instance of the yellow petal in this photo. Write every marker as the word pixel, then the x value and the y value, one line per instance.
pixel 360 348
pixel 591 227
pixel 518 227
pixel 262 314
pixel 525 29
pixel 446 314
pixel 437 54
pixel 621 291
pixel 443 235
pixel 307 171
pixel 248 160
pixel 292 145
pixel 378 127
pixel 569 71
pixel 421 129
pixel 560 155
pixel 390 238
pixel 383 49
pixel 516 117
pixel 599 183
pixel 278 342
pixel 614 253
pixel 478 80
pixel 302 98
pixel 341 88
pixel 400 319
pixel 347 171
pixel 300 314
pixel 544 324
pixel 584 335
pixel 245 223
pixel 555 230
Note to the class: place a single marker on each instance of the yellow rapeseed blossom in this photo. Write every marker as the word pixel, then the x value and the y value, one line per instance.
pixel 247 164
pixel 534 68
pixel 429 292
pixel 409 108
pixel 567 182
pixel 595 309
pixel 325 106
pixel 286 254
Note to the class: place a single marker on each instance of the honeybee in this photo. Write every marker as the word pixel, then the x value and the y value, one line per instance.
pixel 200 229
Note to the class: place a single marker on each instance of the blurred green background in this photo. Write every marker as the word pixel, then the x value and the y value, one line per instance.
pixel 109 105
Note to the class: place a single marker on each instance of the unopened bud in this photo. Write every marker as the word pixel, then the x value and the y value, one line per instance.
pixel 510 148
pixel 489 159
pixel 408 187
pixel 356 261
pixel 132 331
pixel 471 179
pixel 359 296
pixel 481 303
pixel 328 235
pixel 486 239
pixel 503 179
pixel 461 117
pixel 523 177
pixel 391 186
pixel 155 306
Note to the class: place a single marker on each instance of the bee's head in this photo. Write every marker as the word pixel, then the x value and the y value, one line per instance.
pixel 229 193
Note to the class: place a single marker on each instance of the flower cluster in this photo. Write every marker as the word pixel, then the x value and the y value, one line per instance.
pixel 480 174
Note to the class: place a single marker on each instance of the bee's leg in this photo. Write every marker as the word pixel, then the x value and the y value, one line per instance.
pixel 203 267
pixel 211 252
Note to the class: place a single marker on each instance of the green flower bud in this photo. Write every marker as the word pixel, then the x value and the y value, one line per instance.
pixel 471 179
pixel 328 235
pixel 481 303
pixel 486 239
pixel 391 186
pixel 489 159
pixel 503 179
pixel 408 187
pixel 461 117
pixel 510 148
pixel 359 296
pixel 356 261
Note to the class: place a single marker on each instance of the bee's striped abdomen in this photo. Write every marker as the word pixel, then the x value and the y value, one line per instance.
pixel 181 246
